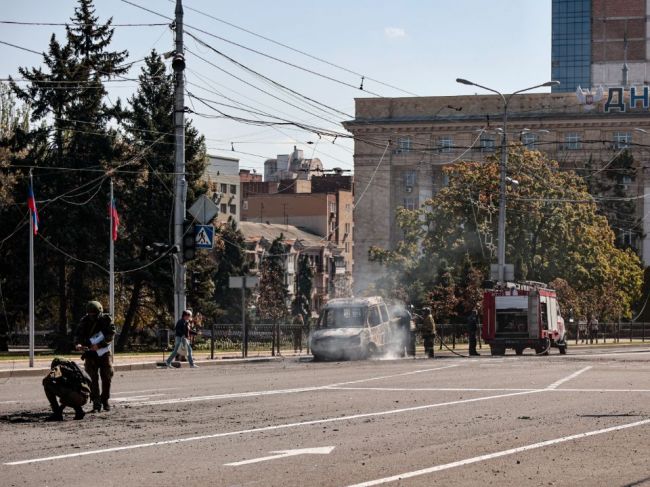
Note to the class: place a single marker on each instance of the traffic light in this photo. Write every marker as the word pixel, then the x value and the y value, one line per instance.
pixel 189 241
pixel 195 281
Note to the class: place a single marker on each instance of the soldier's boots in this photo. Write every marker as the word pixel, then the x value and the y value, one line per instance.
pixel 97 407
pixel 106 406
pixel 57 415
pixel 79 413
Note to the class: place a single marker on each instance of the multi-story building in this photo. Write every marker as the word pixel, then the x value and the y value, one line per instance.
pixel 599 43
pixel 323 257
pixel 402 144
pixel 292 166
pixel 222 174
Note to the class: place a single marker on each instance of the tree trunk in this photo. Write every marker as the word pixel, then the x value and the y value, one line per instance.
pixel 134 304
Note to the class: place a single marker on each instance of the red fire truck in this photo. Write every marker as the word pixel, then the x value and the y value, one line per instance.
pixel 522 315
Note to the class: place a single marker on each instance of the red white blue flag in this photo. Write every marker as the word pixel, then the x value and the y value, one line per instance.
pixel 116 219
pixel 33 212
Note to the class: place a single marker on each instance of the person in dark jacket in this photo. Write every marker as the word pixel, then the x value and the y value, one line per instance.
pixel 68 383
pixel 95 336
pixel 182 336
pixel 472 325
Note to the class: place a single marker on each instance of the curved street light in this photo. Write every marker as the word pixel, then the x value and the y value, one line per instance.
pixel 501 235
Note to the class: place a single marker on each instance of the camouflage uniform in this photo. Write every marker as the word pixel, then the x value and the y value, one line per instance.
pixel 93 322
pixel 69 383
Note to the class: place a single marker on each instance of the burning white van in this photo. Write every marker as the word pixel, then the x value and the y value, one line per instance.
pixel 353 328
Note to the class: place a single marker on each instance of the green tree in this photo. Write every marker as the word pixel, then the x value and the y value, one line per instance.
pixel 73 132
pixel 553 228
pixel 147 196
pixel 273 292
pixel 302 302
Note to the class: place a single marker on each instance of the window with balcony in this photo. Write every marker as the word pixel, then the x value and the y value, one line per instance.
pixel 233 189
pixel 409 178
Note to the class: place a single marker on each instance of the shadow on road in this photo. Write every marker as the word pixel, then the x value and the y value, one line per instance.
pixel 25 417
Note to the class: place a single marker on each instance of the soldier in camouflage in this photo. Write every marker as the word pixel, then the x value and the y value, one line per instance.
pixel 95 336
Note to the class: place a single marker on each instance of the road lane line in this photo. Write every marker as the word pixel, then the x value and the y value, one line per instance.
pixel 474 389
pixel 558 383
pixel 490 456
pixel 235 395
pixel 270 428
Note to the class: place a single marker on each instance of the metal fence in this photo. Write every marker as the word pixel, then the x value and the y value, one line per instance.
pixel 609 332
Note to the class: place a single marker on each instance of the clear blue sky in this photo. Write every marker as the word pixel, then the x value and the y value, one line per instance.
pixel 418 46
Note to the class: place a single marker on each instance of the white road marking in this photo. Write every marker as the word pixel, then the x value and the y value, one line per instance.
pixel 10 402
pixel 503 453
pixel 140 391
pixel 323 450
pixel 135 398
pixel 270 428
pixel 558 383
pixel 282 391
pixel 474 389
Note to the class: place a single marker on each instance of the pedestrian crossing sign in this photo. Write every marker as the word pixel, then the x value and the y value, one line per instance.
pixel 204 236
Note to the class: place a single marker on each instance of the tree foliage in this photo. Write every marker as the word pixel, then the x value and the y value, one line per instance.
pixel 273 292
pixel 553 230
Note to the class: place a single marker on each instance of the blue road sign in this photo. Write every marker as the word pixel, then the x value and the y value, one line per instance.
pixel 204 236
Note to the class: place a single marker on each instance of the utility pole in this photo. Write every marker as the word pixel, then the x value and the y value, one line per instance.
pixel 180 185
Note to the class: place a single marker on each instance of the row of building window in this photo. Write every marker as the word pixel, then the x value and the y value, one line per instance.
pixel 572 141
pixel 224 188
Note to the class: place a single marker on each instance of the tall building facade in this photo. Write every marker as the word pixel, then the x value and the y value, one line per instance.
pixel 402 145
pixel 599 43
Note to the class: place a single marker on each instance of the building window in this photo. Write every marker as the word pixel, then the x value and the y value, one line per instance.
pixel 347 247
pixel 347 228
pixel 224 187
pixel 403 145
pixel 572 141
pixel 245 205
pixel 622 140
pixel 233 189
pixel 224 208
pixel 626 181
pixel 233 209
pixel 410 203
pixel 626 237
pixel 445 143
pixel 409 180
pixel 487 143
pixel 529 140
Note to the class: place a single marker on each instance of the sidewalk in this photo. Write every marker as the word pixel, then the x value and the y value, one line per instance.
pixel 19 366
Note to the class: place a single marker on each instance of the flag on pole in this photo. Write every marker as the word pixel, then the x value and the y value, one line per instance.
pixel 33 212
pixel 116 219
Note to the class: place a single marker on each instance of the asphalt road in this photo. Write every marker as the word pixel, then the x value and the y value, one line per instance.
pixel 579 419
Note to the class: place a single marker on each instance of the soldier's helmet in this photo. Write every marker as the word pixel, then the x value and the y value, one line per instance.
pixel 94 307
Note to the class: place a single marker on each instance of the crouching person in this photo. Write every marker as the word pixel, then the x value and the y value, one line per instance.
pixel 68 383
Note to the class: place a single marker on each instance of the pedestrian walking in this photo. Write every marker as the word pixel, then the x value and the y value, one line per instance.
pixel 428 332
pixel 95 337
pixel 182 338
pixel 472 325
pixel 66 385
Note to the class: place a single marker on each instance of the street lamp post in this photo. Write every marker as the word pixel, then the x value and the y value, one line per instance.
pixel 501 234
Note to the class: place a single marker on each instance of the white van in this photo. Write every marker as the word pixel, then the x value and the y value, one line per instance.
pixel 353 328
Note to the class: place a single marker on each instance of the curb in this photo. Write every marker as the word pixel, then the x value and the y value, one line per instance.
pixel 41 372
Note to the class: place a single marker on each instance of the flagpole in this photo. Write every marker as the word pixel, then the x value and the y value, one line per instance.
pixel 111 259
pixel 31 279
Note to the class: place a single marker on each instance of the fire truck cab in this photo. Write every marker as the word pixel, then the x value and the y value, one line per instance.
pixel 520 316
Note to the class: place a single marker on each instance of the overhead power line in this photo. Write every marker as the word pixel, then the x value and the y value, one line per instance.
pixel 329 63
pixel 66 24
